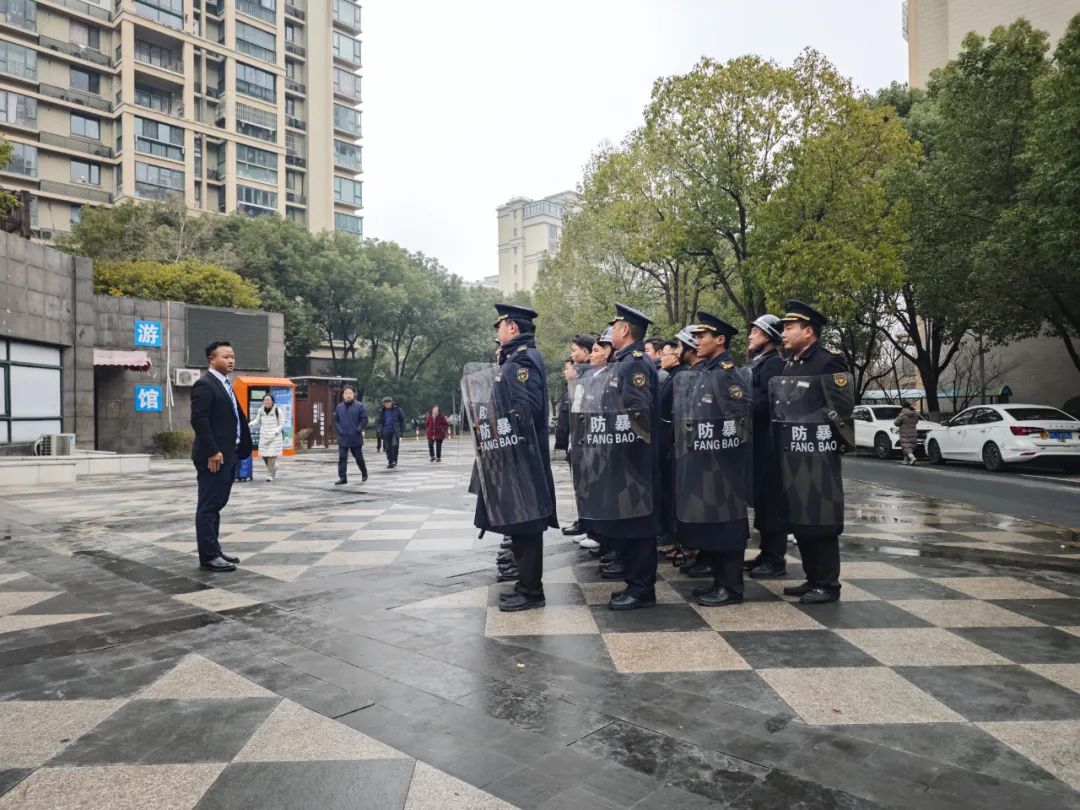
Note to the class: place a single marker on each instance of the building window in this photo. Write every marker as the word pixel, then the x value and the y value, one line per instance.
pixel 167 12
pixel 350 192
pixel 86 80
pixel 257 164
pixel 348 223
pixel 296 215
pixel 347 83
pixel 256 202
pixel 347 154
pixel 347 119
pixel 18 109
pixel 291 34
pixel 20 13
pixel 84 172
pixel 256 123
pixel 76 214
pixel 260 9
pixel 85 127
pixel 23 159
pixel 89 36
pixel 157 183
pixel 29 391
pixel 515 250
pixel 515 233
pixel 255 83
pixel 346 47
pixel 18 61
pixel 256 42
pixel 161 140
pixel 151 54
pixel 553 238
pixel 153 99
pixel 347 12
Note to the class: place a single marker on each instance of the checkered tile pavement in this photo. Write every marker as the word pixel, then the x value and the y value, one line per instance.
pixel 199 734
pixel 28 603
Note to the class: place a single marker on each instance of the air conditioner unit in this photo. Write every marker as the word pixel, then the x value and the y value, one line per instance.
pixel 186 377
pixel 57 444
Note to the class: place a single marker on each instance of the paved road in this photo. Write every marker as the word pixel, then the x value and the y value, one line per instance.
pixel 1032 494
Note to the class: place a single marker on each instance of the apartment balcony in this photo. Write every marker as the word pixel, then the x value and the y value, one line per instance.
pixel 73 49
pixel 347 16
pixel 353 95
pixel 295 123
pixel 87 9
pixel 215 175
pixel 293 11
pixel 293 197
pixel 171 65
pixel 295 50
pixel 212 93
pixel 352 164
pixel 295 160
pixel 256 11
pixel 351 62
pixel 75 144
pixel 294 86
pixel 75 97
pixel 82 192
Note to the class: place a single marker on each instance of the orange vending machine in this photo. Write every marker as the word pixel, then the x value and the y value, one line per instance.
pixel 250 392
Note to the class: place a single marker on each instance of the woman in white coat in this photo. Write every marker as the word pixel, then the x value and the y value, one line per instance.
pixel 270 424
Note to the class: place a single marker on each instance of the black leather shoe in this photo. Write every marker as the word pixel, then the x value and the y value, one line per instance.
pixel 507 574
pixel 719 598
pixel 218 564
pixel 607 557
pixel 690 563
pixel 363 478
pixel 507 594
pixel 613 572
pixel 819 596
pixel 797 590
pixel 700 571
pixel 625 601
pixel 768 570
pixel 504 556
pixel 704 589
pixel 749 565
pixel 506 543
pixel 573 529
pixel 341 481
pixel 520 601
pixel 229 558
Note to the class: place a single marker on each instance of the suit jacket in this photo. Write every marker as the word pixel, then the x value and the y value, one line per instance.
pixel 213 419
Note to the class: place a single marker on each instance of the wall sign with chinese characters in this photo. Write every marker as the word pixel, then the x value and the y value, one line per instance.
pixel 148 333
pixel 148 399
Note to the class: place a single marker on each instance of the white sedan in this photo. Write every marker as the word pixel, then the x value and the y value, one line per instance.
pixel 998 435
pixel 874 429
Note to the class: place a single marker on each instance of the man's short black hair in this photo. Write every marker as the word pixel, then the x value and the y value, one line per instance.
pixel 673 343
pixel 657 343
pixel 567 361
pixel 213 347
pixel 586 342
pixel 524 327
pixel 637 331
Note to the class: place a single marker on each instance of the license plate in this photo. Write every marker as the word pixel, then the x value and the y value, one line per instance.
pixel 1062 435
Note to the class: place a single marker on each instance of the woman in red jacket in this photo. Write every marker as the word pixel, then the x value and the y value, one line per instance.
pixel 436 427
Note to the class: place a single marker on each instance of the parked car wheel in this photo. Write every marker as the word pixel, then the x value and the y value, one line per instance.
pixel 933 452
pixel 992 459
pixel 883 448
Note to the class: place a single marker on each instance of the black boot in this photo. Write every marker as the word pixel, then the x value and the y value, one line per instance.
pixel 719 598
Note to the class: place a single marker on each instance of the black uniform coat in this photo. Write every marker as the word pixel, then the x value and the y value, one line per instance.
pixel 631 360
pixel 767 482
pixel 528 397
pixel 667 444
pixel 815 361
pixel 730 536
pixel 562 423
pixel 213 419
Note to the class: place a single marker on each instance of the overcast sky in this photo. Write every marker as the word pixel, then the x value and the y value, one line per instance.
pixel 468 104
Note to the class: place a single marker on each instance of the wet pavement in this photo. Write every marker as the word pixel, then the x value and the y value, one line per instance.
pixel 357 659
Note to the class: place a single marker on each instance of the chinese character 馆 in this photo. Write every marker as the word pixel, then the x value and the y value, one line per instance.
pixel 149 399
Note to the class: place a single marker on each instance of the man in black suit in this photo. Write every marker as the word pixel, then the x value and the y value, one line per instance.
pixel 222 439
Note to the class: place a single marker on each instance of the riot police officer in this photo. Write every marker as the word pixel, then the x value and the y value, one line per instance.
pixel 766 362
pixel 812 402
pixel 516 495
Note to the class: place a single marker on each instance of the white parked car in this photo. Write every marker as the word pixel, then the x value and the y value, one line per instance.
pixel 874 429
pixel 998 435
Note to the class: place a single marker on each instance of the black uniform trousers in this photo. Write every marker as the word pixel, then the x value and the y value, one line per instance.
pixel 343 460
pixel 727 568
pixel 821 559
pixel 529 555
pixel 392 443
pixel 214 491
pixel 773 546
pixel 434 448
pixel 639 557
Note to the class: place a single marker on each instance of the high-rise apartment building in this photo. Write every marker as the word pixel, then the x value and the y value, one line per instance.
pixel 234 105
pixel 529 230
pixel 935 29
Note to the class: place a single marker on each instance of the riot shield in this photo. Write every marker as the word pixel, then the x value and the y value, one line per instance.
pixel 808 415
pixel 612 461
pixel 507 451
pixel 713 422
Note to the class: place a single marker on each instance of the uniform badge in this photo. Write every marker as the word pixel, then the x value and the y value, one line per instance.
pixel 639 379
pixel 498 378
pixel 727 364
pixel 638 354
pixel 523 374
pixel 522 348
pixel 706 399
pixel 736 392
pixel 840 380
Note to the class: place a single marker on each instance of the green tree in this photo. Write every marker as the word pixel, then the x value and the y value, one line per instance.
pixel 7 200
pixel 189 281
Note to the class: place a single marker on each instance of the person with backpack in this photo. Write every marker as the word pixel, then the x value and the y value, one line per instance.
pixel 269 425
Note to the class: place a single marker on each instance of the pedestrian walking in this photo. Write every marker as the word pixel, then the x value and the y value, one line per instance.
pixel 515 492
pixel 812 403
pixel 908 423
pixel 392 423
pixel 222 438
pixel 271 429
pixel 350 421
pixel 435 427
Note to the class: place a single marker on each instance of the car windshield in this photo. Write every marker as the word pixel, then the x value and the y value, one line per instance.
pixel 887 412
pixel 1038 415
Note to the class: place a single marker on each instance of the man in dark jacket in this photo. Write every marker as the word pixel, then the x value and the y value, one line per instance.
pixel 673 361
pixel 392 422
pixel 764 346
pixel 562 422
pixel 222 438
pixel 350 420
pixel 524 384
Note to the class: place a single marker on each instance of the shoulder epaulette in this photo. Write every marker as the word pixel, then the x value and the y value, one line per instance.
pixel 639 354
pixel 831 350
pixel 727 364
pixel 522 348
